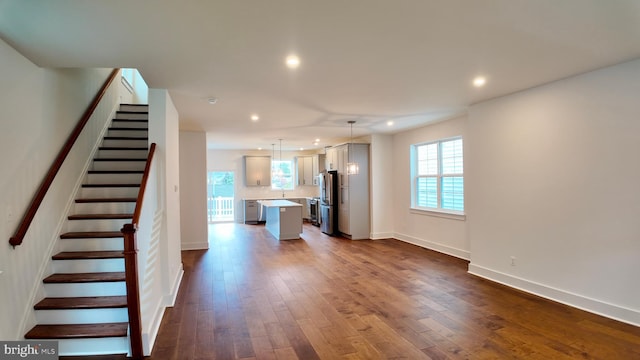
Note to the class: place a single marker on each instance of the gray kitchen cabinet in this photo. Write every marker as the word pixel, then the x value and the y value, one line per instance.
pixel 257 170
pixel 305 170
pixel 331 159
pixel 309 167
pixel 251 211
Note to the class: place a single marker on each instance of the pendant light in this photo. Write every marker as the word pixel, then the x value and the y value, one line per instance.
pixel 352 167
pixel 281 170
pixel 273 158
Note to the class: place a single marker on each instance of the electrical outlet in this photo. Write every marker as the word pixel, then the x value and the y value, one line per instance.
pixel 513 261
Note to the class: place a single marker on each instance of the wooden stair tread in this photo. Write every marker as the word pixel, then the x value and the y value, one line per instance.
pixel 95 357
pixel 126 138
pixel 78 331
pixel 88 255
pixel 91 234
pixel 115 172
pixel 109 185
pixel 105 200
pixel 131 112
pixel 120 159
pixel 92 302
pixel 123 148
pixel 115 128
pixel 100 216
pixel 132 120
pixel 85 277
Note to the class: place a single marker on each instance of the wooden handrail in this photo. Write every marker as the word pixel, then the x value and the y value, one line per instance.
pixel 143 185
pixel 28 216
pixel 131 265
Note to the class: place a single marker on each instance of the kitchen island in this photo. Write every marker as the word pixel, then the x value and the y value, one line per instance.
pixel 284 218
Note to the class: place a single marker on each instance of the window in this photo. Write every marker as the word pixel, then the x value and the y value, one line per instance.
pixel 282 175
pixel 438 180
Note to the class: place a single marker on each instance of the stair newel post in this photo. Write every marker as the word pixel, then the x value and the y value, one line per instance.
pixel 133 292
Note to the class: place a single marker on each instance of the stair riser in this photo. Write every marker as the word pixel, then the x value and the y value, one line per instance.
pixel 125 143
pixel 86 289
pixel 91 244
pixel 93 193
pixel 104 208
pixel 128 133
pixel 113 179
pixel 123 154
pixel 96 225
pixel 141 108
pixel 118 165
pixel 81 316
pixel 88 266
pixel 78 347
pixel 141 116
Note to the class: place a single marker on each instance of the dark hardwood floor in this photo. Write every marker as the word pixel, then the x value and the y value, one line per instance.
pixel 252 297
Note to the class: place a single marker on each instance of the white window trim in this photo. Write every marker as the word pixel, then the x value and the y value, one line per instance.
pixel 447 214
pixel 428 211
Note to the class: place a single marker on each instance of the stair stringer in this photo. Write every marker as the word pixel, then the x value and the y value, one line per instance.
pixel 46 267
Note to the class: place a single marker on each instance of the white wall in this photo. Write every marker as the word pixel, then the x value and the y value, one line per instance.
pixel 425 229
pixel 134 89
pixel 39 107
pixel 193 197
pixel 232 160
pixel 552 178
pixel 382 194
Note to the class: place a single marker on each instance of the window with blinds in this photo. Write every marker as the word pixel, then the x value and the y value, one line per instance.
pixel 438 175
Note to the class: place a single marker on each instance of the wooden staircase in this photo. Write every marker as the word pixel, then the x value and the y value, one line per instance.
pixel 85 307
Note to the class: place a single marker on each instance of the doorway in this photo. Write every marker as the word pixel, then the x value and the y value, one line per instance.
pixel 220 196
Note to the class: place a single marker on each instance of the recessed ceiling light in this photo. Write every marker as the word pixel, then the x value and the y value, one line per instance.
pixel 255 117
pixel 212 100
pixel 317 140
pixel 292 61
pixel 316 143
pixel 259 148
pixel 301 149
pixel 479 81
pixel 389 123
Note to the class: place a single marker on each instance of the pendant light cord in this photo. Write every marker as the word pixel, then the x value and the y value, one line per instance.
pixel 281 166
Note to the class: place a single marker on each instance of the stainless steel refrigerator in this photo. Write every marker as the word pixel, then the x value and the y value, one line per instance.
pixel 328 181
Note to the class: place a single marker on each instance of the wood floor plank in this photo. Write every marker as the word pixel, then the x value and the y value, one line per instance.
pixel 253 297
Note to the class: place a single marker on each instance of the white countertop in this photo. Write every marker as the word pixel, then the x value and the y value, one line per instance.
pixel 278 203
pixel 278 198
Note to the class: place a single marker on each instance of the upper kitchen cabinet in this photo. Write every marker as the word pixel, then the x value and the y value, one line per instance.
pixel 331 159
pixel 305 170
pixel 257 170
pixel 308 169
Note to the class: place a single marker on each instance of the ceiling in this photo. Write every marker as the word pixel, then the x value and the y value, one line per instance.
pixel 373 61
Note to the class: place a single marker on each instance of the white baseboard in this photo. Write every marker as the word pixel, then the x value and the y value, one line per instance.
pixel 194 246
pixel 168 300
pixel 149 338
pixel 381 235
pixel 626 315
pixel 445 249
